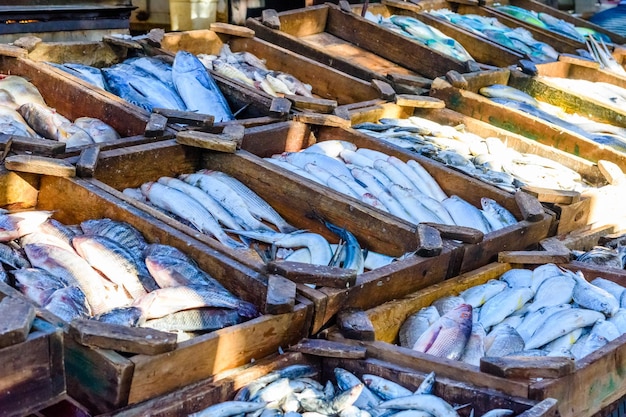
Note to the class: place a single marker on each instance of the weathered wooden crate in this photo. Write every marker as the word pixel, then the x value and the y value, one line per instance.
pixel 582 389
pixel 296 200
pixel 351 44
pixel 33 376
pixel 325 357
pixel 73 100
pixel 571 214
pixel 296 197
pixel 105 380
pixel 327 82
pixel 560 43
pixel 579 69
pixel 538 6
pixel 248 106
pixel 468 101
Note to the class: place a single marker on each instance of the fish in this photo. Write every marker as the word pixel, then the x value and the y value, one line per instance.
pixel 518 278
pixel 595 298
pixel 331 148
pixel 169 271
pixel 353 255
pixel 227 197
pixel 12 257
pixel 192 320
pixel 493 210
pixel 600 255
pixel 416 324
pixel 465 214
pixel 12 122
pixel 533 320
pixel 21 90
pixel 68 303
pixel 116 262
pixel 447 303
pixel 126 316
pixel 87 73
pixel 475 346
pixel 448 336
pixel 17 224
pixel 503 341
pixel 121 232
pixel 503 304
pixel 189 209
pixel 229 408
pixel 504 91
pixel 52 125
pixel 477 295
pixel 37 284
pixel 76 272
pixel 385 388
pixel 552 292
pixel 164 301
pixel 425 402
pixel 198 89
pixel 98 130
pixel 587 344
pixel 564 343
pixel 561 323
pixel 346 380
pixel 156 67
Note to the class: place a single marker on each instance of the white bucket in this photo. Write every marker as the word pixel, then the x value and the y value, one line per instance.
pixel 192 14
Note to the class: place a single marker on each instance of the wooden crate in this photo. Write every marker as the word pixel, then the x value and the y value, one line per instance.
pixel 32 371
pixel 351 44
pixel 294 197
pixel 469 102
pixel 103 54
pixel 325 359
pixel 104 380
pixel 327 82
pixel 78 99
pixel 595 382
pixel 561 43
pixel 570 215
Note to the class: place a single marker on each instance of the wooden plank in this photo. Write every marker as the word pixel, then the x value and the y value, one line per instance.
pixel 280 106
pixel 613 174
pixel 529 205
pixel 40 165
pixel 354 324
pixel 13 51
pixel 87 162
pixel 281 295
pixel 527 367
pixel 457 79
pixel 328 276
pixel 576 59
pixel 186 117
pixel 156 125
pixel 17 319
pixel 548 195
pixel 329 349
pixel 312 103
pixel 232 30
pixel 533 257
pixel 34 145
pixel 95 334
pixel 430 242
pixel 321 119
pixel 462 233
pixel 412 80
pixel 573 216
pixel 386 91
pixel 419 101
pixel 270 19
pixel 205 140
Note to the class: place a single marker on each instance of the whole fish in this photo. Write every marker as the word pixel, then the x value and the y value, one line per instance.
pixel 447 303
pixel 346 380
pixel 518 278
pixel 425 402
pixel 87 73
pixel 22 91
pixel 156 67
pixel 227 197
pixel 116 262
pixel 332 148
pixel 229 408
pixel 125 316
pixel 52 125
pixel 12 257
pixel 599 255
pixel 477 295
pixel 592 297
pixel 164 301
pixel 587 344
pixel 561 323
pixel 197 88
pixel 543 272
pixel 465 214
pixel 448 336
pixel 502 305
pixel 76 271
pixel 494 211
pixel 159 250
pixel 475 346
pixel 68 303
pixel 552 292
pixel 200 319
pixel 564 343
pixel 189 209
pixel 504 91
pixel 502 341
pixel 97 129
pixel 533 320
pixel 12 122
pixel 353 255
pixel 416 324
pixel 37 284
pixel 384 388
pixel 611 287
pixel 168 271
pixel 17 224
pixel 121 232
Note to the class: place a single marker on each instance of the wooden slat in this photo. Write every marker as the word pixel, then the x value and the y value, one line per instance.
pixel 40 165
pixel 204 140
pixel 281 295
pixel 17 319
pixel 533 257
pixel 329 349
pixel 233 30
pixel 323 275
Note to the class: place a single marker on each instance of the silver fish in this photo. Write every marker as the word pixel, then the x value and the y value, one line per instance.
pixel 502 341
pixel 475 346
pixel 518 278
pixel 168 271
pixel 37 284
pixel 426 402
pixel 384 388
pixel 477 295
pixel 229 408
pixel 503 304
pixel 552 292
pixel 592 297
pixel 121 232
pixel 416 324
pixel 561 323
pixel 98 130
pixel 448 336
pixel 447 303
pixel 465 214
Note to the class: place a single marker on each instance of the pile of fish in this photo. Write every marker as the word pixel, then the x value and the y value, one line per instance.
pixel 488 159
pixel 219 205
pixel 250 70
pixel 423 33
pixel 150 83
pixel 291 392
pixel 404 189
pixel 512 98
pixel 518 39
pixel 549 311
pixel 547 21
pixel 105 270
pixel 24 112
pixel 605 93
pixel 610 254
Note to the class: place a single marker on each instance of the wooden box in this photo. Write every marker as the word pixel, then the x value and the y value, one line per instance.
pixel 560 43
pixel 570 215
pixel 327 82
pixel 582 390
pixel 73 100
pixel 33 376
pixel 325 357
pixel 295 197
pixel 105 380
pixel 353 45
pixel 469 102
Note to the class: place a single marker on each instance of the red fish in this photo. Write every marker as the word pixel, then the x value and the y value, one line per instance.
pixel 447 337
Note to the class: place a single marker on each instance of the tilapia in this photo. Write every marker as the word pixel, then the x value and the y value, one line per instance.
pixel 52 125
pixel 37 284
pixel 68 303
pixel 171 272
pixel 22 91
pixel 200 319
pixel 17 224
pixel 121 232
pixel 416 324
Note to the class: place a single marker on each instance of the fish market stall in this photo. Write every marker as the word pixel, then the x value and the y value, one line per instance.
pixel 481 151
pixel 109 365
pixel 31 354
pixel 594 144
pixel 584 386
pixel 292 75
pixel 353 45
pixel 348 368
pixel 48 94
